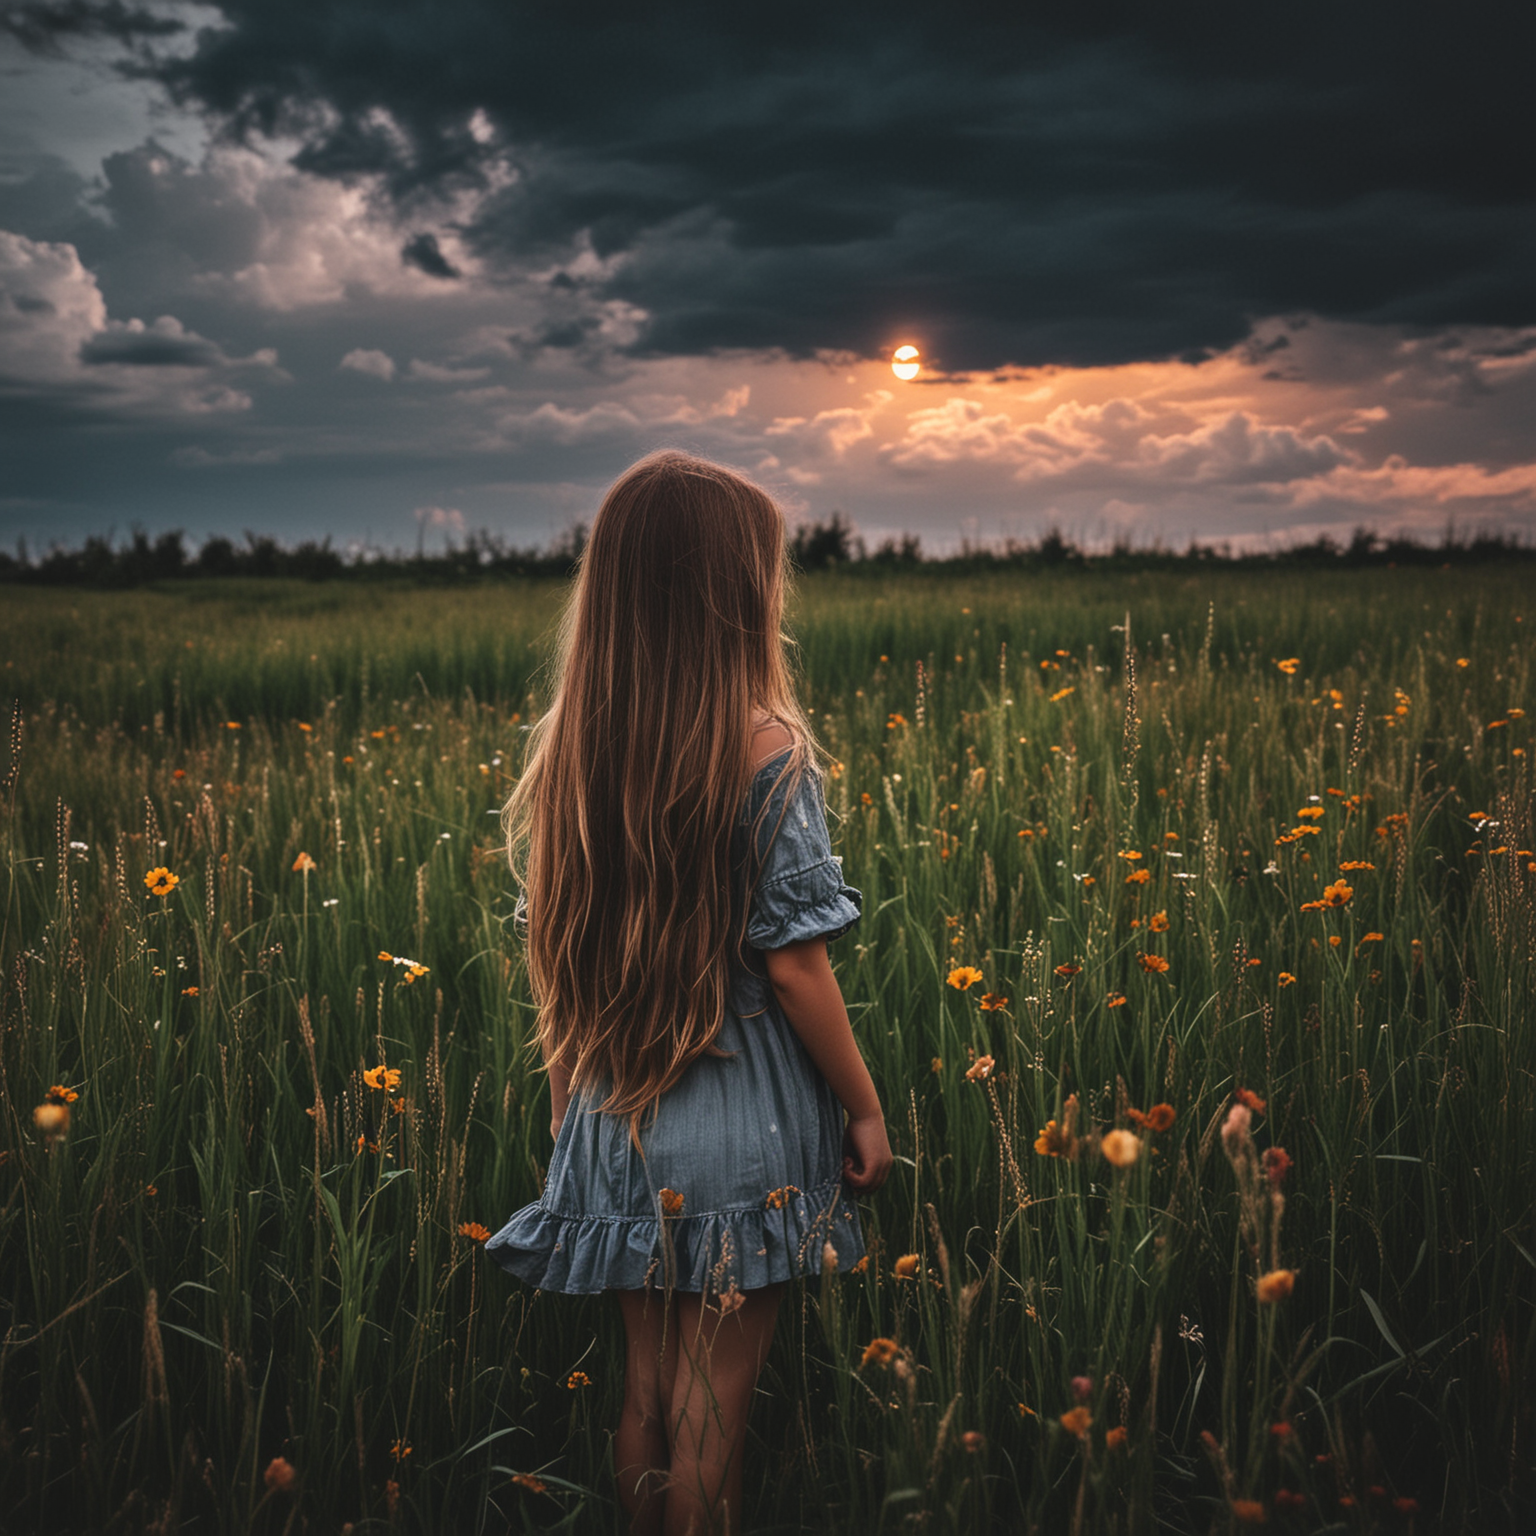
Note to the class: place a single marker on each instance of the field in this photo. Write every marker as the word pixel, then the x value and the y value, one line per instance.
pixel 1262 857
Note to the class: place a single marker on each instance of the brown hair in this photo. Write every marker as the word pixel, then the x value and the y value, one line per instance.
pixel 620 828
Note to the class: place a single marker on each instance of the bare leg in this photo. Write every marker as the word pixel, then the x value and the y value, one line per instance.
pixel 719 1357
pixel 641 1457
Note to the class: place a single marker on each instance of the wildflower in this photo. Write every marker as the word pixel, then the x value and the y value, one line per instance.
pixel 305 726
pixel 384 1079
pixel 189 991
pixel 363 1144
pixel 1236 1128
pixel 778 1198
pixel 1254 964
pixel 528 1482
pixel 905 1268
pixel 161 882
pixel 1462 661
pixel 1076 1421
pixel 1286 979
pixel 1060 694
pixel 1334 941
pixel 1276 1286
pixel 993 1002
pixel 1248 1512
pixel 1138 877
pixel 1309 812
pixel 1406 1506
pixel 1115 1000
pixel 1158 1118
pixel 400 1449
pixel 671 1203
pixel 1082 1388
pixel 51 1119
pixel 1130 855
pixel 866 798
pixel 973 1440
pixel 861 1266
pixel 1288 1498
pixel 59 1094
pixel 577 1380
pixel 1120 1148
pixel 1026 1412
pixel 1352 864
pixel 1114 1439
pixel 385 955
pixel 879 1352
pixel 1058 1140
pixel 1277 1163
pixel 231 725
pixel 303 864
pixel 963 977
pixel 1251 1099
pixel 474 1231
pixel 937 1065
pixel 280 1475
pixel 1158 922
pixel 894 721
pixel 1289 665
pixel 1337 894
pixel 1154 965
pixel 978 1069
pixel 1067 972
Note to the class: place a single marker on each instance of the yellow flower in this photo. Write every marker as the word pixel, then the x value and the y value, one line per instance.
pixel 879 1352
pixel 1158 922
pixel 303 864
pixel 231 725
pixel 473 1230
pixel 1120 1148
pixel 905 1268
pixel 1373 938
pixel 1076 1421
pixel 978 1069
pixel 577 1379
pixel 161 882
pixel 1276 1286
pixel 1154 965
pixel 385 1079
pixel 963 977
pixel 671 1203
pixel 1289 665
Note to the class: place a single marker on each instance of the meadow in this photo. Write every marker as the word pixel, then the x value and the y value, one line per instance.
pixel 1195 971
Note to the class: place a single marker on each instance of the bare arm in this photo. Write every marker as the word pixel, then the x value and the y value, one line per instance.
pixel 559 1091
pixel 802 979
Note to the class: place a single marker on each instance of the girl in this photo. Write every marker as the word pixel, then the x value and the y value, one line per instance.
pixel 679 890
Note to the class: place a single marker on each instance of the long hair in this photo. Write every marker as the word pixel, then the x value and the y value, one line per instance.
pixel 620 828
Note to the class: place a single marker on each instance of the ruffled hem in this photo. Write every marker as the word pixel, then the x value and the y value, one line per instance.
pixel 710 1252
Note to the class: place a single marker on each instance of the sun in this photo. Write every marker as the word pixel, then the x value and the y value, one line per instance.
pixel 904 362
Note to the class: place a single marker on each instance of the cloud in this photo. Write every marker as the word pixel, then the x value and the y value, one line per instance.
pixel 57 341
pixel 1037 187
pixel 441 517
pixel 369 360
pixel 437 373
pixel 45 27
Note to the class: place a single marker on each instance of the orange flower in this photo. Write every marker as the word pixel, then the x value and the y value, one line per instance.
pixel 1158 1118
pixel 1076 1421
pixel 1129 854
pixel 1349 864
pixel 161 882
pixel 1248 1512
pixel 1114 1439
pixel 59 1094
pixel 1115 1000
pixel 1289 665
pixel 528 1482
pixel 937 1065
pixel 383 1079
pixel 1286 979
pixel 1120 1148
pixel 1276 1286
pixel 879 1352
pixel 1251 1099
pixel 189 991
pixel 280 1476
pixel 1373 938
pixel 1060 694
pixel 1277 1163
pixel 980 1068
pixel 905 1268
pixel 51 1119
pixel 577 1380
pixel 400 1450
pixel 474 1231
pixel 671 1203
pixel 777 1198
pixel 303 864
pixel 1067 972
pixel 993 1002
pixel 973 1440
pixel 1158 922
pixel 963 977
pixel 1309 813
pixel 1059 1140
pixel 1138 877
pixel 1154 965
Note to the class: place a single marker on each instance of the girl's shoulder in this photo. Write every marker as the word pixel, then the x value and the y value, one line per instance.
pixel 771 738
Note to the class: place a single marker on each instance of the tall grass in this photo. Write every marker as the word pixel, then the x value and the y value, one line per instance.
pixel 240 1251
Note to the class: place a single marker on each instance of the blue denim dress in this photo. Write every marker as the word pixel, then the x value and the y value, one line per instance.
pixel 751 1141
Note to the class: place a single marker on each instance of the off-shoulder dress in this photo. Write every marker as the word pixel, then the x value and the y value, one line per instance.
pixel 748 1147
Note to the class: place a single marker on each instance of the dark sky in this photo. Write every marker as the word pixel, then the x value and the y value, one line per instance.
pixel 387 265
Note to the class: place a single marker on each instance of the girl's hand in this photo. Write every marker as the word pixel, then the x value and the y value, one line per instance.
pixel 866 1153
